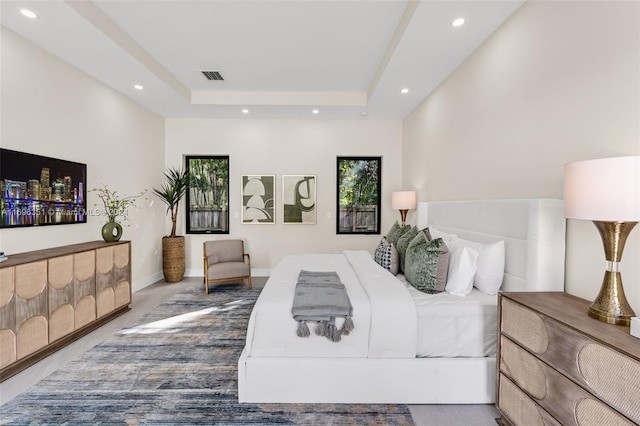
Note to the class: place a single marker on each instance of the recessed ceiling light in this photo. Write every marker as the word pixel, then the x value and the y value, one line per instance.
pixel 458 22
pixel 315 111
pixel 404 91
pixel 245 111
pixel 364 114
pixel 28 13
pixel 138 86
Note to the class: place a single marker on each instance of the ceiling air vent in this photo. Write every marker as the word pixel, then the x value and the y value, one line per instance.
pixel 213 75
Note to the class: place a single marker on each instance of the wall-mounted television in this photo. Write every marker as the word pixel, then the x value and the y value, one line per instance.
pixel 38 190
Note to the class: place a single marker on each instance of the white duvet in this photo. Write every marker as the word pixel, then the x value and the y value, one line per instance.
pixel 384 313
pixel 452 326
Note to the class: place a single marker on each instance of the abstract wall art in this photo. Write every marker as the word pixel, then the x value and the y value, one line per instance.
pixel 258 199
pixel 299 199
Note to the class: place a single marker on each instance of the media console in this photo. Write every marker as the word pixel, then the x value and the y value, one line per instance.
pixel 51 297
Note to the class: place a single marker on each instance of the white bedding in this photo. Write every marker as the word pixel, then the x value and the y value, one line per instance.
pixel 383 311
pixel 392 319
pixel 454 326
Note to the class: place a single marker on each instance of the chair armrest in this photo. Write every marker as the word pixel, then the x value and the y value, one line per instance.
pixel 248 258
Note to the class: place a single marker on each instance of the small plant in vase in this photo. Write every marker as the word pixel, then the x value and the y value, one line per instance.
pixel 115 206
pixel 172 191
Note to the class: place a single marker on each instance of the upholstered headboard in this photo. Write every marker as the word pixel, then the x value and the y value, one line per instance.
pixel 533 231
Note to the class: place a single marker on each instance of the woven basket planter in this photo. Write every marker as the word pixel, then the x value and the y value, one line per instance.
pixel 173 259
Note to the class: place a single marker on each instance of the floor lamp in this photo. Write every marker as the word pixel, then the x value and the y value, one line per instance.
pixel 607 192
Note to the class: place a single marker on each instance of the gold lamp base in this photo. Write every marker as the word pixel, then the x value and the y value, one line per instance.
pixel 611 305
pixel 403 215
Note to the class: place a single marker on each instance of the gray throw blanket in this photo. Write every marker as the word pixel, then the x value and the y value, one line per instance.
pixel 321 297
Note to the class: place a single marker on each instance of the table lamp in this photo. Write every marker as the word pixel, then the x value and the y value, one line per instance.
pixel 607 192
pixel 403 201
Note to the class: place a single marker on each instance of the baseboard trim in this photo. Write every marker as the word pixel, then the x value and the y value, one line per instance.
pixel 152 279
pixel 146 282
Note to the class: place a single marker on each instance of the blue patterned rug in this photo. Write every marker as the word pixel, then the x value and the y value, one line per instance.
pixel 176 365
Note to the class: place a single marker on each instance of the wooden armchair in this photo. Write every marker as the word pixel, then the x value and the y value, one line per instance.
pixel 225 260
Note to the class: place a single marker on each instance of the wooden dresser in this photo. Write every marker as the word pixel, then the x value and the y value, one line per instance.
pixel 558 366
pixel 49 298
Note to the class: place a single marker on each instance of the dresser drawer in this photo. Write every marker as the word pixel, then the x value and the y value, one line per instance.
pixel 605 372
pixel 559 396
pixel 519 408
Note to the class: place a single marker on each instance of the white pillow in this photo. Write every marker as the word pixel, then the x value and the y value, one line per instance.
pixel 462 269
pixel 490 273
pixel 436 233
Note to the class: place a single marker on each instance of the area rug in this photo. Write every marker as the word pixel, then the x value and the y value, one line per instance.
pixel 176 365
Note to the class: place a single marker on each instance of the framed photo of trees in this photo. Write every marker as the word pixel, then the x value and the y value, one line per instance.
pixel 358 191
pixel 208 194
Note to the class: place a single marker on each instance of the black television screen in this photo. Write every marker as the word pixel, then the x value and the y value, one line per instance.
pixel 39 190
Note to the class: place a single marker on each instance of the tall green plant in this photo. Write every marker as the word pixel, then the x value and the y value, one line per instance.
pixel 176 182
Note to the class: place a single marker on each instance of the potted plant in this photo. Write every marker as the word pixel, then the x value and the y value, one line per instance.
pixel 172 191
pixel 114 206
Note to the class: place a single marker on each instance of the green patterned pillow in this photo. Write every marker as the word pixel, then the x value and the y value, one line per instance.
pixel 426 264
pixel 403 243
pixel 396 232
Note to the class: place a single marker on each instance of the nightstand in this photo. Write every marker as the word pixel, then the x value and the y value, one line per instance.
pixel 558 366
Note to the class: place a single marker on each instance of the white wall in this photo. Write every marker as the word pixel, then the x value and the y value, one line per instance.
pixel 559 82
pixel 51 108
pixel 287 147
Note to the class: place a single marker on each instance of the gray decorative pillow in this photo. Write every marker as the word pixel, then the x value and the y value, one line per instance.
pixel 396 232
pixel 426 264
pixel 386 256
pixel 403 243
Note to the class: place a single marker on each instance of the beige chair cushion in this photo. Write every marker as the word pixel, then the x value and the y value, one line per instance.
pixel 228 270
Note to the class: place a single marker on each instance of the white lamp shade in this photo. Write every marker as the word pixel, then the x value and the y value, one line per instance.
pixel 403 200
pixel 606 189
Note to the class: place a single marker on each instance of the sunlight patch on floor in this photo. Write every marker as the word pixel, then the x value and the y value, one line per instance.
pixel 239 302
pixel 173 324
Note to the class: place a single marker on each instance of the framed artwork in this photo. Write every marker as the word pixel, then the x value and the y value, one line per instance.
pixel 299 199
pixel 208 194
pixel 258 199
pixel 358 192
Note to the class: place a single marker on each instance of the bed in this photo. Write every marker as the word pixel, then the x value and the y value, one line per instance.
pixel 401 350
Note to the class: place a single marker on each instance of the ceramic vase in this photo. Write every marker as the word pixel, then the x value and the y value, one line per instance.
pixel 111 231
